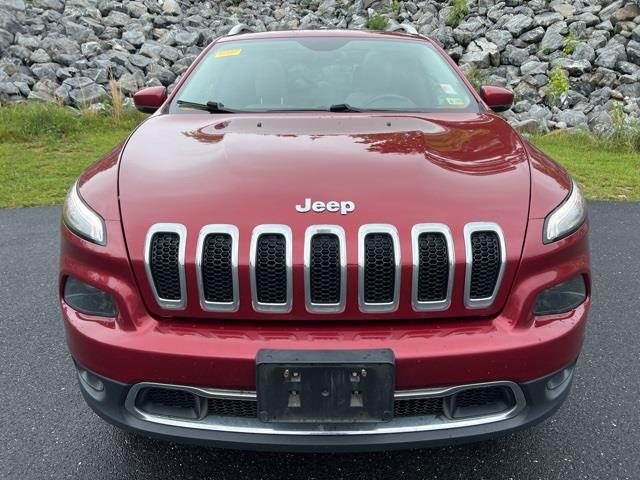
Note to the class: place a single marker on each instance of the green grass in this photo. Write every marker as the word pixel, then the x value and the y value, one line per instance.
pixel 606 170
pixel 377 22
pixel 43 148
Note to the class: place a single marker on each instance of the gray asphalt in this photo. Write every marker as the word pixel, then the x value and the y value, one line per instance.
pixel 46 430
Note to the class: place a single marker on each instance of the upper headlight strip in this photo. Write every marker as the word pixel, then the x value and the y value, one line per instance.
pixel 567 217
pixel 81 219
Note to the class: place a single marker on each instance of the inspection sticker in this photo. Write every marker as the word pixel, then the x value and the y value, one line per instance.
pixel 228 53
pixel 455 101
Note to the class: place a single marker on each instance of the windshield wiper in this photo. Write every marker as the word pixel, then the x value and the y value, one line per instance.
pixel 343 107
pixel 211 107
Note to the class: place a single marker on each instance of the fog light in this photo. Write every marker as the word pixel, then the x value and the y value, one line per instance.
pixel 91 380
pixel 561 298
pixel 87 299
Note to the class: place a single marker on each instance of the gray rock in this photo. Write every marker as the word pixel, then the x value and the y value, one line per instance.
pixel 518 24
pixel 129 84
pixel 17 5
pixel 139 61
pixel 136 9
pixel 627 67
pixel 571 65
pixel 90 49
pixel 565 9
pixel 165 76
pixel 501 38
pixel 171 7
pixel 45 71
pixel 530 126
pixel 89 95
pixel 8 88
pixel 534 67
pixel 572 118
pixel 187 38
pixel 40 56
pixel 56 5
pixel 533 36
pixel 600 96
pixel 134 37
pixel 44 90
pixel 583 51
pixel 610 55
pixel 547 18
pixel 515 56
pixel 628 12
pixel 608 11
pixel 601 123
pixel 552 41
pixel 633 52
pixel 116 19
pixel 78 82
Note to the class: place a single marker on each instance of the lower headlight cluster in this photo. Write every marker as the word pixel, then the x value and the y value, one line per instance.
pixel 562 297
pixel 88 299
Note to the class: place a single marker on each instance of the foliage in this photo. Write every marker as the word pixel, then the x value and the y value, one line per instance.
pixel 558 86
pixel 395 7
pixel 458 11
pixel 604 168
pixel 477 77
pixel 570 43
pixel 626 133
pixel 377 22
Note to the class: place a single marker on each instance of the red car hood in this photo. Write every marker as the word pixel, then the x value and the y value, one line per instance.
pixel 251 170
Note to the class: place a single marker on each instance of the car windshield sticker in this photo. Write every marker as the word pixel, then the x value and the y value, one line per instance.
pixel 456 101
pixel 228 53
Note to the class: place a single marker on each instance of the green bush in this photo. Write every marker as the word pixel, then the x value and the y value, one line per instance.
pixel 570 44
pixel 29 121
pixel 558 86
pixel 477 77
pixel 459 10
pixel 626 133
pixel 377 22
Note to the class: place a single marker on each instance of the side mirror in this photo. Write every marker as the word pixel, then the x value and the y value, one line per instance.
pixel 497 98
pixel 150 99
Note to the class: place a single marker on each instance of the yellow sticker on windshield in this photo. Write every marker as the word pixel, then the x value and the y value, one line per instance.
pixel 455 101
pixel 228 53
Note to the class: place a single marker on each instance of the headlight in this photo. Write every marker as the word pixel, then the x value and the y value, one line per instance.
pixel 88 299
pixel 567 218
pixel 561 298
pixel 81 219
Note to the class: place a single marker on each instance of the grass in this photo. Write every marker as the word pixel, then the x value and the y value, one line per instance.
pixel 458 11
pixel 43 148
pixel 606 170
pixel 377 22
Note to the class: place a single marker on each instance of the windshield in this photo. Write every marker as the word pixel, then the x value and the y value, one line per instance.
pixel 322 73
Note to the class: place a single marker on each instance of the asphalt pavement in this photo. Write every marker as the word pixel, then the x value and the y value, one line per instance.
pixel 47 431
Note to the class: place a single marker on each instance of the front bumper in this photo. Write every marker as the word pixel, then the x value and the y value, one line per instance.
pixel 536 400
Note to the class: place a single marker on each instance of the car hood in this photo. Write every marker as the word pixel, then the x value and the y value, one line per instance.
pixel 248 170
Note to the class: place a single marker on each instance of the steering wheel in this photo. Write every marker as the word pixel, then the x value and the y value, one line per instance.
pixel 389 96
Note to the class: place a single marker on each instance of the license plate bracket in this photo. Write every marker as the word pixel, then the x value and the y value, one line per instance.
pixel 325 386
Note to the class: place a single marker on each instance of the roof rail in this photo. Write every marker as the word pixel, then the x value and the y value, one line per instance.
pixel 405 27
pixel 240 28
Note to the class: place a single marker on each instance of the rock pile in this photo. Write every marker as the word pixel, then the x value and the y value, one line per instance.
pixel 571 63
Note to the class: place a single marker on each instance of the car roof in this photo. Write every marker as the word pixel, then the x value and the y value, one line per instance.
pixel 320 33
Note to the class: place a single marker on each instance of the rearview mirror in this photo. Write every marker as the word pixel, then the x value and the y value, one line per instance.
pixel 149 99
pixel 497 98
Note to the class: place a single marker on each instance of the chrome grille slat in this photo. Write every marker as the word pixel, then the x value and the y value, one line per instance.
pixel 272 273
pixel 173 297
pixel 419 275
pixel 483 297
pixel 218 298
pixel 336 268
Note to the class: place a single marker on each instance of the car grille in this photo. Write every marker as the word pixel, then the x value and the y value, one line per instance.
pixel 271 269
pixel 379 255
pixel 217 272
pixel 471 401
pixel 165 265
pixel 325 269
pixel 486 264
pixel 433 267
pixel 379 268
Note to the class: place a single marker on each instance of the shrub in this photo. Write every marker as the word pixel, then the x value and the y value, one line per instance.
pixel 625 133
pixel 570 44
pixel 377 22
pixel 458 11
pixel 395 7
pixel 477 77
pixel 558 86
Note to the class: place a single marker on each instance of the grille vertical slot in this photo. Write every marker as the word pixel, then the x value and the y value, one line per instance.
pixel 164 264
pixel 486 261
pixel 379 268
pixel 271 258
pixel 217 268
pixel 433 267
pixel 325 269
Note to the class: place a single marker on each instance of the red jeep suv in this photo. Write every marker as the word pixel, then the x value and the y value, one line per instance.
pixel 321 241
